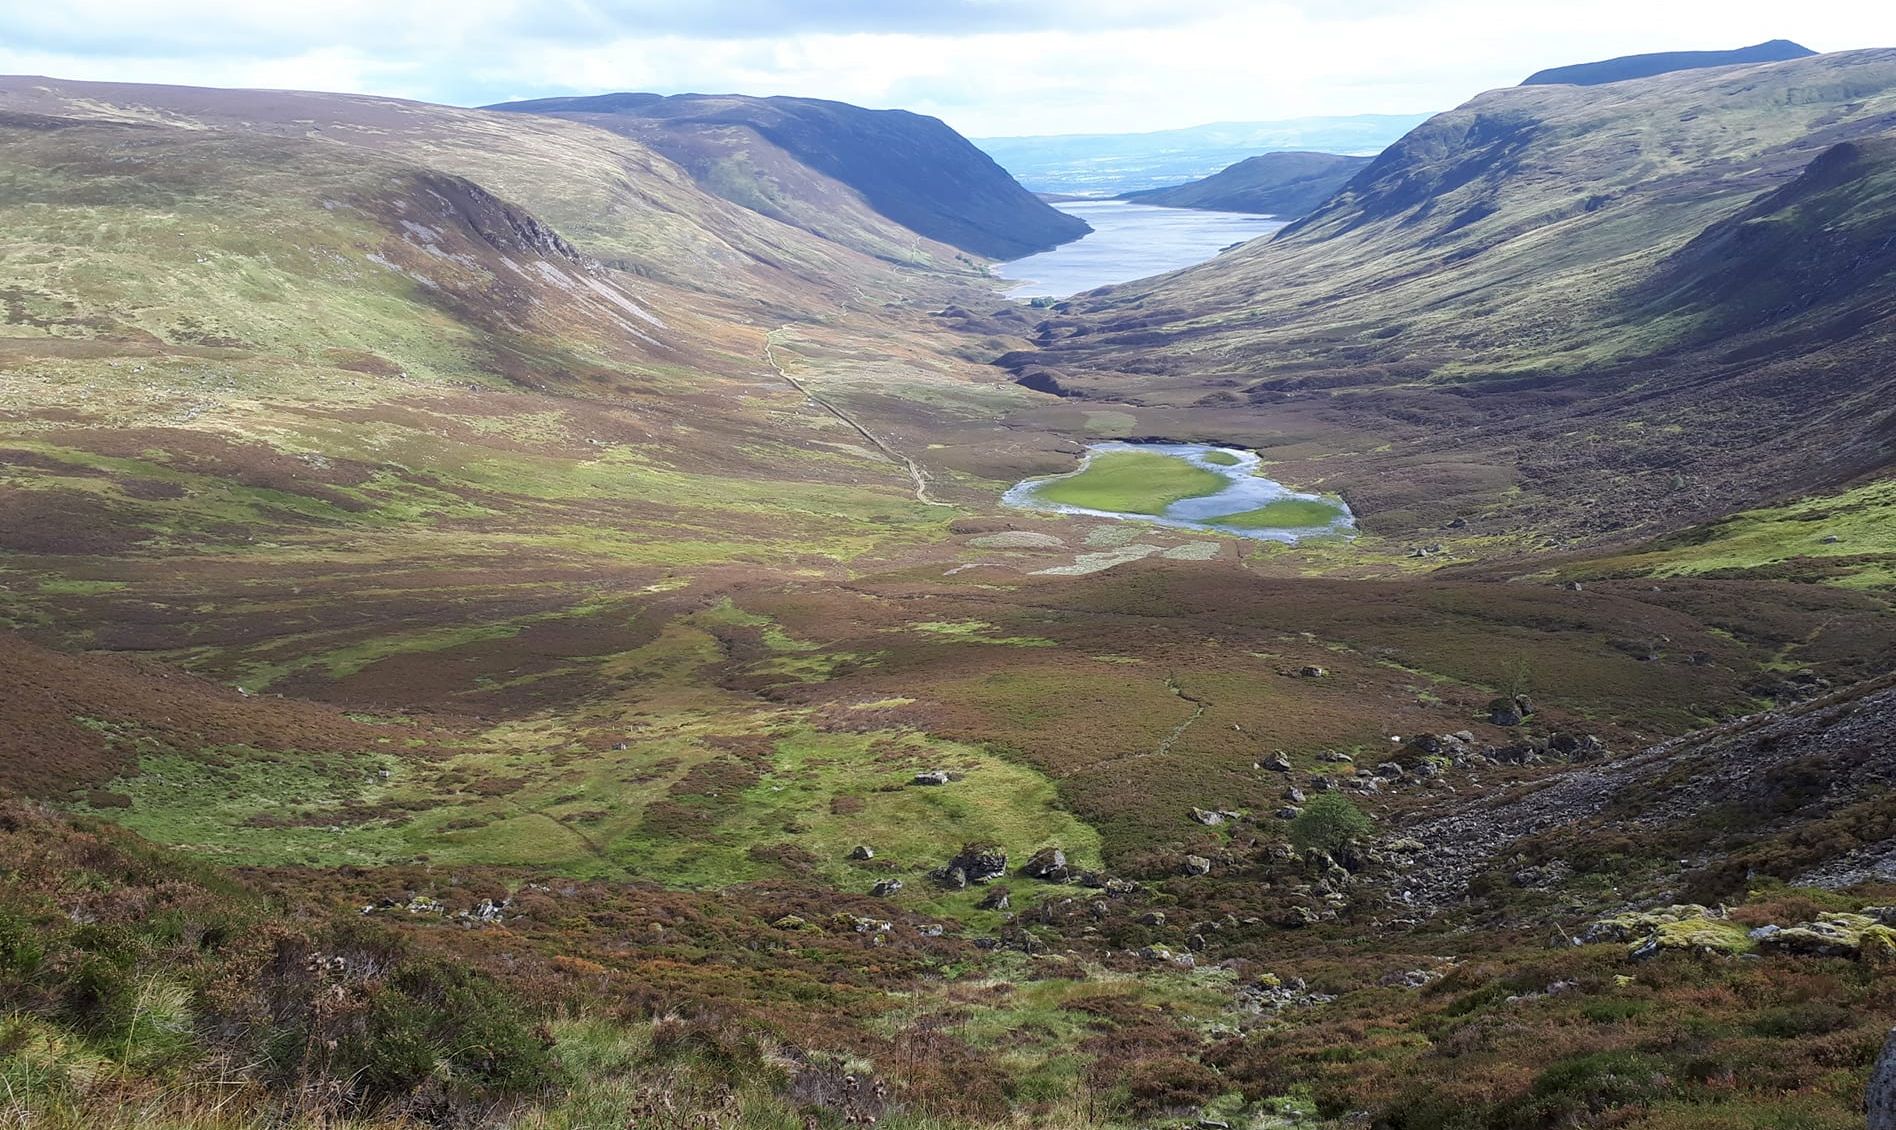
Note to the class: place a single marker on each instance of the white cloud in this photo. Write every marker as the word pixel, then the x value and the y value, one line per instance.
pixel 986 66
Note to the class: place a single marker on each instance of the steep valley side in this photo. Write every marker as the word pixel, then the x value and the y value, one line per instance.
pixel 500 633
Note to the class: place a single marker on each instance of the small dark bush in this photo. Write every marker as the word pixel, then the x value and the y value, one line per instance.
pixel 1812 1018
pixel 1161 1086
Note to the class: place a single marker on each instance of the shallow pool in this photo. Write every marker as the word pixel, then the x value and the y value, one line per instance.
pixel 1191 485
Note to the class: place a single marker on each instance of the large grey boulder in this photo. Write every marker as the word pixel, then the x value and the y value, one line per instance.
pixel 1880 1100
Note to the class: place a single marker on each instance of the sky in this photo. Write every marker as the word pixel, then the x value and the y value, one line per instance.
pixel 987 67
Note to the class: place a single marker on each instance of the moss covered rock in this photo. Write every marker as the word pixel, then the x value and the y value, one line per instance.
pixel 1688 927
pixel 1832 935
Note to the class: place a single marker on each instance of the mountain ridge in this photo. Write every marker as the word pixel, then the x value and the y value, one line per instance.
pixel 1646 66
pixel 910 168
pixel 1286 185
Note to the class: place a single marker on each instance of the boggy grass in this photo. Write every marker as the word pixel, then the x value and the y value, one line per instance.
pixel 1131 482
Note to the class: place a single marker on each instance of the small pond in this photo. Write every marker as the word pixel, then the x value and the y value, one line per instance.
pixel 1191 485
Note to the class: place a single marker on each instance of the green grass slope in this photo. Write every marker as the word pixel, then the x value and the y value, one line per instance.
pixel 627 206
pixel 800 157
pixel 1288 185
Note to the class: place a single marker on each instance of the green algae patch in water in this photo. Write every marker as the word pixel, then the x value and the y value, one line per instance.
pixel 1284 514
pixel 1189 485
pixel 1131 482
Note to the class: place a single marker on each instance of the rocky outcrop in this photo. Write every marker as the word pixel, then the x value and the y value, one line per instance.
pixel 1860 936
pixel 1880 1100
pixel 1841 741
pixel 1689 928
pixel 975 863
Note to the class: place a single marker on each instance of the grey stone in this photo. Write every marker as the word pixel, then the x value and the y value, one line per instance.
pixel 1880 1099
pixel 1049 864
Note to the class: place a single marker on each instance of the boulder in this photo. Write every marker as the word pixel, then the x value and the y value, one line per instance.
pixel 1049 864
pixel 931 777
pixel 1208 819
pixel 1169 956
pixel 1278 762
pixel 1195 865
pixel 1832 935
pixel 1312 671
pixel 977 863
pixel 1296 918
pixel 1880 1099
pixel 997 898
pixel 862 851
pixel 886 887
pixel 1688 927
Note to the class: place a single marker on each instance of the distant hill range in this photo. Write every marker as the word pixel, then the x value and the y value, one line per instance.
pixel 1112 163
pixel 1665 62
pixel 838 170
pixel 1274 184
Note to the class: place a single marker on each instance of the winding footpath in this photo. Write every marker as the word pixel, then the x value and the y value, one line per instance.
pixel 916 471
